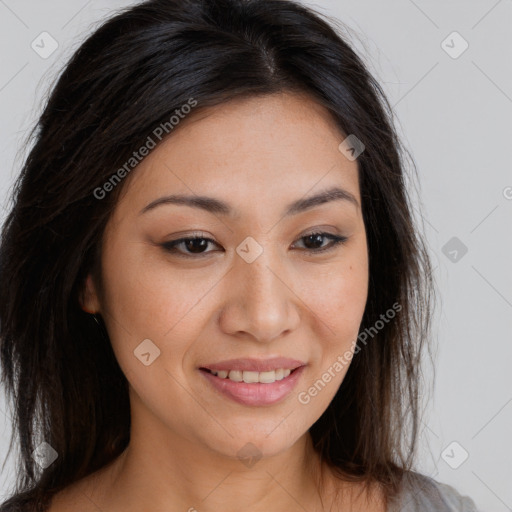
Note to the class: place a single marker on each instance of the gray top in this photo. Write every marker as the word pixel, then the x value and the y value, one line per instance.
pixel 424 494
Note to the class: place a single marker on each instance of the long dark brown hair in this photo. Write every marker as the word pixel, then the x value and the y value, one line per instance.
pixel 61 377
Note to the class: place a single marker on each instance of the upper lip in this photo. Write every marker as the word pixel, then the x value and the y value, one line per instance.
pixel 255 365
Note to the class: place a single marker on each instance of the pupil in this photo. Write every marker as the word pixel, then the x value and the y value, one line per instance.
pixel 315 238
pixel 194 243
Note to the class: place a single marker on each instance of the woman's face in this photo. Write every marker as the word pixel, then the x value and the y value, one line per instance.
pixel 253 292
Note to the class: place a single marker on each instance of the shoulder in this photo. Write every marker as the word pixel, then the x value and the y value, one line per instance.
pixel 76 496
pixel 423 493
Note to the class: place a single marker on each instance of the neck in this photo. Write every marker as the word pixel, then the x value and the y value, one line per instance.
pixel 164 471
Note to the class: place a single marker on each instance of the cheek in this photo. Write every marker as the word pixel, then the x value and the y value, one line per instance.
pixel 148 300
pixel 337 296
pixel 337 301
pixel 146 295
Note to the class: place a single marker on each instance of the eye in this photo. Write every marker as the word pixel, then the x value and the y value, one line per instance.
pixel 315 239
pixel 195 245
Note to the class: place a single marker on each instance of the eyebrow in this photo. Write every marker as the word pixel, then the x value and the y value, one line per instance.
pixel 216 206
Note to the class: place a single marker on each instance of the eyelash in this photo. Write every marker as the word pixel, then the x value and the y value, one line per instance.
pixel 170 247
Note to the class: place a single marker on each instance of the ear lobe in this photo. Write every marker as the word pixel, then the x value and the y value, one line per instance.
pixel 89 298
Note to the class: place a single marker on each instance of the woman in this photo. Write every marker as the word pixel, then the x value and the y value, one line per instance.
pixel 213 295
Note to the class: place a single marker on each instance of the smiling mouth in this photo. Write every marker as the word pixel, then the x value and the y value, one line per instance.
pixel 252 377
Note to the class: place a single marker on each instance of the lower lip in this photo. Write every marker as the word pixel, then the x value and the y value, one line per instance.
pixel 256 393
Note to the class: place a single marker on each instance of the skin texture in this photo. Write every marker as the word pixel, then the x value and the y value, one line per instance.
pixel 258 155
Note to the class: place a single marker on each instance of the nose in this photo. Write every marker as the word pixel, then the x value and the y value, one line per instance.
pixel 260 302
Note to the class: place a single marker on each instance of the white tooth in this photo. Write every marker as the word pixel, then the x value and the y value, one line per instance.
pixel 250 377
pixel 267 377
pixel 236 375
pixel 280 374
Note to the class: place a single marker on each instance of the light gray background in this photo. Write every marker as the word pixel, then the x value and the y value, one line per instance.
pixel 455 116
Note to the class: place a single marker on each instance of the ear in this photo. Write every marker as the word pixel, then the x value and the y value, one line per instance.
pixel 89 298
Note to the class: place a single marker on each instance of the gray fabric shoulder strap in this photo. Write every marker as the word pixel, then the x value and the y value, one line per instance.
pixel 421 493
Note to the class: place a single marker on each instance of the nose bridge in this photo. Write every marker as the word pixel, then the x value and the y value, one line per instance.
pixel 259 302
pixel 260 281
pixel 256 265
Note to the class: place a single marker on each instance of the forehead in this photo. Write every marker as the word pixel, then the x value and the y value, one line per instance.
pixel 269 148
